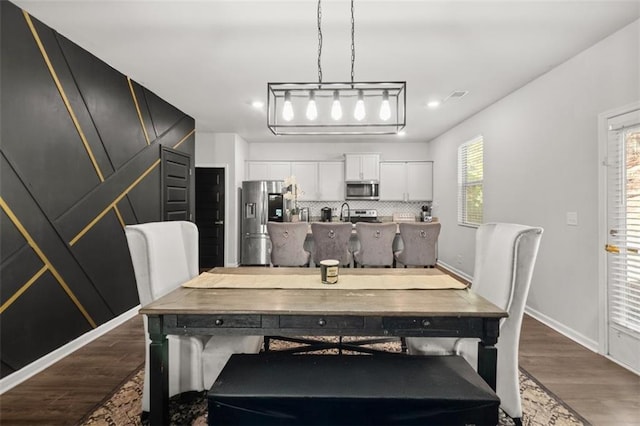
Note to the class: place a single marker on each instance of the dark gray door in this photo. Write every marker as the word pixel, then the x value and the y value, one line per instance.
pixel 176 179
pixel 210 217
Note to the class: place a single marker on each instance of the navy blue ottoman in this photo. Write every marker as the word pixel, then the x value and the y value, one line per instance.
pixel 284 389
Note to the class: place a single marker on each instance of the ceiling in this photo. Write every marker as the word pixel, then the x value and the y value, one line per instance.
pixel 212 58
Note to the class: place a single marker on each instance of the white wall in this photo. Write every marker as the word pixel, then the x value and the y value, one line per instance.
pixel 541 161
pixel 391 150
pixel 226 150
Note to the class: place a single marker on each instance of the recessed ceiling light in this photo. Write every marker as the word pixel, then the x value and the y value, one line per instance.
pixel 433 104
pixel 257 104
pixel 401 133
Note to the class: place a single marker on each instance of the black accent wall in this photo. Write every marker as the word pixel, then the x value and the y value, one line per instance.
pixel 79 159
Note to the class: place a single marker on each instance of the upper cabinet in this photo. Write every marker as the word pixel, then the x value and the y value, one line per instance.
pixel 318 180
pixel 306 173
pixel 360 167
pixel 268 170
pixel 331 181
pixel 406 181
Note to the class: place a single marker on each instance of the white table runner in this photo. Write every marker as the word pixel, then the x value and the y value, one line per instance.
pixel 345 282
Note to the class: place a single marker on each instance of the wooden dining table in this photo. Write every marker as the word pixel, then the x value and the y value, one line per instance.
pixel 343 309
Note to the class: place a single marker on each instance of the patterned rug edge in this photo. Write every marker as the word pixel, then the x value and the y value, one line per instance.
pixel 111 395
pixel 556 397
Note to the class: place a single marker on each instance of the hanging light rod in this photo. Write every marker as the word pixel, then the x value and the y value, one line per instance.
pixel 333 108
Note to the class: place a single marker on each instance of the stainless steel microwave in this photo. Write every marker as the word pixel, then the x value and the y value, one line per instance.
pixel 362 190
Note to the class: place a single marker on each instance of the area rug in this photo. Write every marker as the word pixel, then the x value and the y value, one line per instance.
pixel 541 407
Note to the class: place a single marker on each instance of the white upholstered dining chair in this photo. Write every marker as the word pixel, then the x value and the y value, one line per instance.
pixel 164 255
pixel 505 257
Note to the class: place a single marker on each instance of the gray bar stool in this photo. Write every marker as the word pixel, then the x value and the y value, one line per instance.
pixel 419 240
pixel 287 243
pixel 376 244
pixel 331 241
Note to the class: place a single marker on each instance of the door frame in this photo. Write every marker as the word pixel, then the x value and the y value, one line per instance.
pixel 227 216
pixel 603 310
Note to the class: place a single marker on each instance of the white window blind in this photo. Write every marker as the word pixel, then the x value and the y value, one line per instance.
pixel 470 177
pixel 623 180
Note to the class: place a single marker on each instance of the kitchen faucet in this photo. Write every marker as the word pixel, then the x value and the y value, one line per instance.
pixel 348 212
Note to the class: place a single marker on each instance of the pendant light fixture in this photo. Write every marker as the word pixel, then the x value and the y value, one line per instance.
pixel 349 108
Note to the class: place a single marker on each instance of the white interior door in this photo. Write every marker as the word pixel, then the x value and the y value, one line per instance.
pixel 623 245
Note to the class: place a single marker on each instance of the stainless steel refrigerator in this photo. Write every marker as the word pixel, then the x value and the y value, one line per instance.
pixel 262 201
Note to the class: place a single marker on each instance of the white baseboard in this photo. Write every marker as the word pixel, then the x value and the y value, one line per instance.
pixel 51 358
pixel 579 338
pixel 453 270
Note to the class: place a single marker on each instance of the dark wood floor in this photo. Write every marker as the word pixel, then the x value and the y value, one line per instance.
pixel 601 391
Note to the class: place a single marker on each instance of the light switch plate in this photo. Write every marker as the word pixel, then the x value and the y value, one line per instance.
pixel 572 218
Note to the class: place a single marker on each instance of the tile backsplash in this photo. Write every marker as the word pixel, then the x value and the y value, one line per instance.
pixel 384 208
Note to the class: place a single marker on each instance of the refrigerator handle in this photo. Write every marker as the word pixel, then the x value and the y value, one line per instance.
pixel 250 210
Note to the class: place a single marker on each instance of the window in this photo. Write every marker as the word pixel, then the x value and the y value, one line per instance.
pixel 470 176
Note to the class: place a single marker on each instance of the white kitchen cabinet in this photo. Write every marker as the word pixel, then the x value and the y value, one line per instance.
pixel 359 167
pixel 306 174
pixel 420 180
pixel 331 181
pixel 393 181
pixel 406 181
pixel 268 170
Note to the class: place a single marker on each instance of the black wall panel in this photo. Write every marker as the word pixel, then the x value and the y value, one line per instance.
pixel 34 116
pixel 164 115
pixel 12 241
pixel 102 87
pixel 111 275
pixel 42 318
pixel 72 174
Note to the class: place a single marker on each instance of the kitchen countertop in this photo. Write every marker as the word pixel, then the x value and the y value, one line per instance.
pixel 382 220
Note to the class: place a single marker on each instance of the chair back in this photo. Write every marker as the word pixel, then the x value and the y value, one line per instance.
pixel 419 241
pixel 164 255
pixel 287 243
pixel 376 243
pixel 505 257
pixel 331 241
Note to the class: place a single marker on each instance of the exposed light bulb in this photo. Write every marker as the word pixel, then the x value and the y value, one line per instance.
pixel 359 113
pixel 312 109
pixel 287 108
pixel 385 108
pixel 336 108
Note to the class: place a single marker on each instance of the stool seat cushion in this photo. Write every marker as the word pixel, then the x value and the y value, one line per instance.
pixel 282 389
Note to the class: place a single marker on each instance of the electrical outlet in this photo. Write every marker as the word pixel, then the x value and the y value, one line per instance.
pixel 459 259
pixel 572 218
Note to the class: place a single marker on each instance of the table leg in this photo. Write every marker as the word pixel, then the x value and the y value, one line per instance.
pixel 158 373
pixel 488 353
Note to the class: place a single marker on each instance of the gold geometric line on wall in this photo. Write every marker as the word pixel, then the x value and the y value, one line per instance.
pixel 113 203
pixel 120 219
pixel 63 95
pixel 122 195
pixel 135 101
pixel 183 139
pixel 45 260
pixel 22 289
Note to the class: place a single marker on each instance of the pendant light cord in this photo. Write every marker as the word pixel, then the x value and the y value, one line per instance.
pixel 353 44
pixel 319 42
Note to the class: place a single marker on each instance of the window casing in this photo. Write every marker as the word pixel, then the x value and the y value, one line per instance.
pixel 470 182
